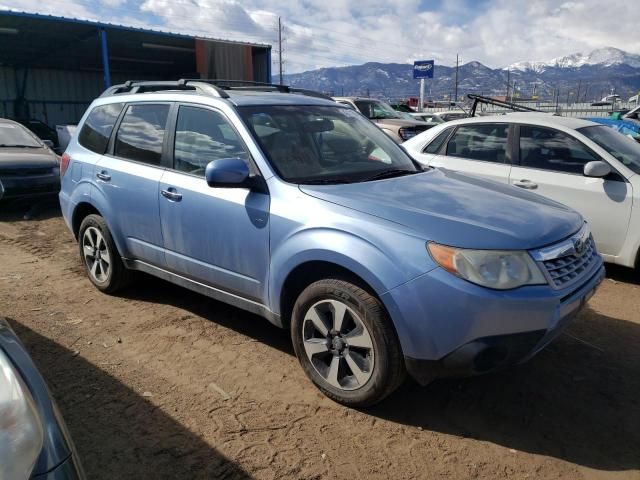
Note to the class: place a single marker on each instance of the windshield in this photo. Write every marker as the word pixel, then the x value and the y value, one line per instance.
pixel 318 144
pixel 623 148
pixel 12 135
pixel 376 110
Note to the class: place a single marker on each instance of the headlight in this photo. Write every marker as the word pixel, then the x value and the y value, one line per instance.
pixel 499 269
pixel 21 433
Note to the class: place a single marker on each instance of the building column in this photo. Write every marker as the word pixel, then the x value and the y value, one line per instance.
pixel 105 58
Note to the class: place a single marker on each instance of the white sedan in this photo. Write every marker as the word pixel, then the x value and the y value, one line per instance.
pixel 584 165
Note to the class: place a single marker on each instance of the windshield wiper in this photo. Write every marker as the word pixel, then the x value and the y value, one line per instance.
pixel 4 145
pixel 323 181
pixel 394 172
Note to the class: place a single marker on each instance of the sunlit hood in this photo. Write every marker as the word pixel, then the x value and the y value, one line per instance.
pixel 458 210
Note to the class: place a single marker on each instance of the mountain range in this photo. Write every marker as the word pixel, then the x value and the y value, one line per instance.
pixel 583 77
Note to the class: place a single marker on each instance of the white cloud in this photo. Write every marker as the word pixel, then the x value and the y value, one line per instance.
pixel 339 32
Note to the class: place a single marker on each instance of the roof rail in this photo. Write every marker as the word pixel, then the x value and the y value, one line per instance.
pixel 206 86
pixel 137 86
pixel 244 85
pixel 249 85
pixel 498 103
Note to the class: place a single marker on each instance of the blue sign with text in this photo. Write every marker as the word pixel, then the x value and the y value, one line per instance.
pixel 423 69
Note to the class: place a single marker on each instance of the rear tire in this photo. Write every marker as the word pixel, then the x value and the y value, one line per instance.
pixel 100 256
pixel 346 344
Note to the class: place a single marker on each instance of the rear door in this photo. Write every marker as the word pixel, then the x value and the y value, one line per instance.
pixel 551 163
pixel 480 149
pixel 128 178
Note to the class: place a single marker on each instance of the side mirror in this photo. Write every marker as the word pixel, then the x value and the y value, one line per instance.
pixel 227 173
pixel 48 143
pixel 597 169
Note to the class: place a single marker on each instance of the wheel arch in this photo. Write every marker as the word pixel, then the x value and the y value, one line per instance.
pixel 81 211
pixel 309 272
pixel 85 208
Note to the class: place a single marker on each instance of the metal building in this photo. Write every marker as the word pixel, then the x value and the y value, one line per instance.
pixel 51 68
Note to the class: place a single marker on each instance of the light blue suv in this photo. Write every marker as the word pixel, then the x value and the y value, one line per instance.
pixel 302 211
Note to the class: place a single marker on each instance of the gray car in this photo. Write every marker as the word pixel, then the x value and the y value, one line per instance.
pixel 34 441
pixel 28 166
pixel 398 125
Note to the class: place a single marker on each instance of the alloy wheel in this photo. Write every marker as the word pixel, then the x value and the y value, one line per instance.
pixel 96 254
pixel 338 344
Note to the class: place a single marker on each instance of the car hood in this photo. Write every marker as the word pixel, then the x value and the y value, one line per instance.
pixel 458 210
pixel 27 158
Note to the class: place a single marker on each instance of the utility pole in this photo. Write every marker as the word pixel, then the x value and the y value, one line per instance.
pixel 280 47
pixel 506 97
pixel 578 94
pixel 456 94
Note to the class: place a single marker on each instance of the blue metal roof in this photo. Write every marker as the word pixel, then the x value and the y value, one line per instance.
pixel 114 26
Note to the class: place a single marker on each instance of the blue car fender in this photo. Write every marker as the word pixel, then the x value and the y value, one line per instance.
pixel 334 246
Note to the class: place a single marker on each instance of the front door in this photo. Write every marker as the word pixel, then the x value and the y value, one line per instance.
pixel 552 164
pixel 219 236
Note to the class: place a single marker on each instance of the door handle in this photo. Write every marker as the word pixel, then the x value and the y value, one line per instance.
pixel 526 184
pixel 104 176
pixel 171 194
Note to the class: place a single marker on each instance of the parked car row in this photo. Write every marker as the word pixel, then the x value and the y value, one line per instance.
pixel 298 209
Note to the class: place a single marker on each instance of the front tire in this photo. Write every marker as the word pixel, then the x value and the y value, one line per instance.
pixel 345 343
pixel 100 256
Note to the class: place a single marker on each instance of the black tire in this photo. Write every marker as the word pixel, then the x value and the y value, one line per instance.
pixel 117 275
pixel 388 370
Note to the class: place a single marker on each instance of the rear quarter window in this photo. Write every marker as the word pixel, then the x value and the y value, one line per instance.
pixel 98 126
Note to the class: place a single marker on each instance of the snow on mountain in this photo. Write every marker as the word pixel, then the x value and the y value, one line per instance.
pixel 607 57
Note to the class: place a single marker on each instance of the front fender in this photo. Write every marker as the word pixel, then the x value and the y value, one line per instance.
pixel 338 247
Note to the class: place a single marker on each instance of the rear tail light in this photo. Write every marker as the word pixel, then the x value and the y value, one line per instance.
pixel 64 164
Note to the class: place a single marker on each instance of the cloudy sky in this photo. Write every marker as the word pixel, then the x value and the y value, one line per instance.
pixel 322 33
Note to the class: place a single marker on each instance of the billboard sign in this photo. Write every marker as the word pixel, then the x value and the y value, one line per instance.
pixel 423 69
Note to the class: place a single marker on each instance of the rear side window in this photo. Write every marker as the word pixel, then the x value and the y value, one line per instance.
pixel 436 143
pixel 141 133
pixel 550 149
pixel 486 142
pixel 98 126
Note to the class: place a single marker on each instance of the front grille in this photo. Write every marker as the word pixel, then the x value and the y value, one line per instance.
pixel 568 269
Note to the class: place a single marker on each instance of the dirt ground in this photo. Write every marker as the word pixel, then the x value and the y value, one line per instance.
pixel 160 382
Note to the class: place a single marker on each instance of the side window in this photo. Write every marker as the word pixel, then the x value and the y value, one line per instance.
pixel 552 150
pixel 486 142
pixel 202 136
pixel 98 126
pixel 141 133
pixel 436 143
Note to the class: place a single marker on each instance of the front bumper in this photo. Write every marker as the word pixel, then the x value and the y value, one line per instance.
pixel 30 186
pixel 450 327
